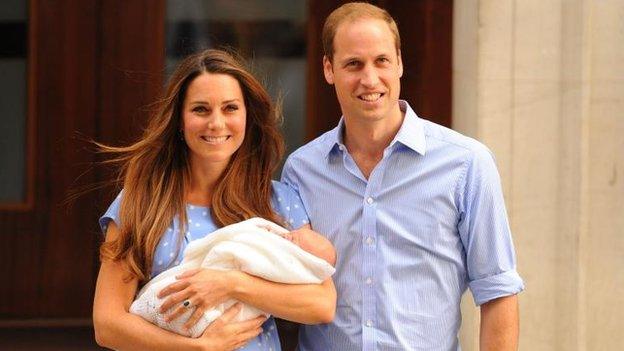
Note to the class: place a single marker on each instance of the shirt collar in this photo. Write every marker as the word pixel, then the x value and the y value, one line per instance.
pixel 411 133
pixel 334 138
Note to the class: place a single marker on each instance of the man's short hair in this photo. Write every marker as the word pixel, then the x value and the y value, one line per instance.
pixel 351 12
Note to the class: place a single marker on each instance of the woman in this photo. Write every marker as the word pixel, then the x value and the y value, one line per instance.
pixel 204 161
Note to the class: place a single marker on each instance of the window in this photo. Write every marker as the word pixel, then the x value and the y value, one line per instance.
pixel 13 117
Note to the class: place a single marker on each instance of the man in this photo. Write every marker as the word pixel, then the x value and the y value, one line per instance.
pixel 415 210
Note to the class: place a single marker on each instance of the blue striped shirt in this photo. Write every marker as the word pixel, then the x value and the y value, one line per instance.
pixel 428 223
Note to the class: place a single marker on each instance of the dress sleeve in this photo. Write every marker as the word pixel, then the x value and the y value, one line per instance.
pixel 485 232
pixel 288 205
pixel 112 214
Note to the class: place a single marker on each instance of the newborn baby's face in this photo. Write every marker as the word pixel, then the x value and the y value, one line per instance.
pixel 313 242
pixel 295 236
pixel 303 237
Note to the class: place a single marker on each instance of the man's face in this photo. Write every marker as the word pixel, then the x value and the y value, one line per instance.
pixel 366 70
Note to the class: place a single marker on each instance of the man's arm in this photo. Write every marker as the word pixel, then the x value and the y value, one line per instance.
pixel 499 324
pixel 490 257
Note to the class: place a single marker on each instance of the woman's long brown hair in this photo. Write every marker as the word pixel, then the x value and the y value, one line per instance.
pixel 155 170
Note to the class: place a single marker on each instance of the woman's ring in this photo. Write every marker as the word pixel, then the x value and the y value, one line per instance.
pixel 186 303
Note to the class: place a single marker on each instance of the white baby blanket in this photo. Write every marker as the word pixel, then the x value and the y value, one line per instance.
pixel 247 246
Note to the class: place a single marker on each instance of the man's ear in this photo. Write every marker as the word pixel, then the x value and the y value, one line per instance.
pixel 328 70
pixel 400 62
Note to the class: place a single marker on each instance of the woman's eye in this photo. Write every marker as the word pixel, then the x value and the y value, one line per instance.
pixel 231 108
pixel 199 109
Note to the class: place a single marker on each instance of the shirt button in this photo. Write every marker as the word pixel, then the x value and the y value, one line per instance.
pixel 369 240
pixel 369 200
pixel 369 281
pixel 341 147
pixel 369 323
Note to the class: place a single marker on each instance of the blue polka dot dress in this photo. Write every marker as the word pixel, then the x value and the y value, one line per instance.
pixel 286 203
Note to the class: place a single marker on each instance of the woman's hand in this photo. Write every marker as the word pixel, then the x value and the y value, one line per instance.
pixel 225 335
pixel 203 289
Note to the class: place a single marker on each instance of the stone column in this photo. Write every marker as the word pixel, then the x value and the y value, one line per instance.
pixel 542 84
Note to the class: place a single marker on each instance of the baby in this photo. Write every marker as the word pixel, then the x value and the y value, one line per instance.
pixel 311 242
pixel 255 246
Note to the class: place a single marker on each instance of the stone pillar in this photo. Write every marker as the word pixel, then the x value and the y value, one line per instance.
pixel 542 84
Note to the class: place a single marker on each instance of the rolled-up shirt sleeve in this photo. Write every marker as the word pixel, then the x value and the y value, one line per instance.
pixel 484 231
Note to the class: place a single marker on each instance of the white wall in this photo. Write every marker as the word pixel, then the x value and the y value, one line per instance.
pixel 541 82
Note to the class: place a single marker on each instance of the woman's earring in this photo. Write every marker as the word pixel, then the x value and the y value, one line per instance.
pixel 181 135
